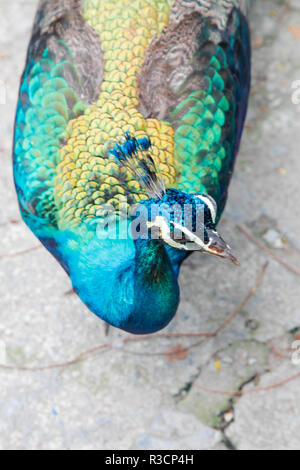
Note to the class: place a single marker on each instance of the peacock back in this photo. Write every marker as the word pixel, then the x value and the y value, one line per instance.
pixel 175 72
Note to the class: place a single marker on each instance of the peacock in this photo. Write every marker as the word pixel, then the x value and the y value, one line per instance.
pixel 128 122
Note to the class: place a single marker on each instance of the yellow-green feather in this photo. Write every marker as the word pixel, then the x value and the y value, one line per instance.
pixel 86 176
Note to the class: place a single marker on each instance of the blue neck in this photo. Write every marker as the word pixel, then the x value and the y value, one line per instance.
pixel 130 284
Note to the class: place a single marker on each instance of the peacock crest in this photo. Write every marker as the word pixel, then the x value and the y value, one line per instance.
pixel 135 155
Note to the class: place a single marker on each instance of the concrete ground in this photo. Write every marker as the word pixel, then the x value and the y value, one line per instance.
pixel 141 398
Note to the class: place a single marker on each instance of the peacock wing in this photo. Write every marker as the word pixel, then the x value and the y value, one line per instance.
pixel 196 76
pixel 62 76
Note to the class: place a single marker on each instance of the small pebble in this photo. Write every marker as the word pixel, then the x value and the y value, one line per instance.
pixel 228 416
pixel 252 324
pixel 227 360
pixel 252 361
pixel 273 238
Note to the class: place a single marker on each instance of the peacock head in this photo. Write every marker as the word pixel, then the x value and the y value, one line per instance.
pixel 181 220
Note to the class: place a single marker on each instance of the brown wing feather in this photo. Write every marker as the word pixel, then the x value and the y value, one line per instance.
pixel 168 63
pixel 61 20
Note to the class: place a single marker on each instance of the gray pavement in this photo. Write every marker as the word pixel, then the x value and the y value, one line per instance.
pixel 139 398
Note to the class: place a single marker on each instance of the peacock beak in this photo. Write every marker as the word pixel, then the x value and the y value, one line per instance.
pixel 218 247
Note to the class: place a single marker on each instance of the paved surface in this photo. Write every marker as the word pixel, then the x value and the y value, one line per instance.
pixel 123 400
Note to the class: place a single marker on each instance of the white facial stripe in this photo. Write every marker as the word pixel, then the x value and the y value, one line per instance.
pixel 165 232
pixel 191 236
pixel 210 204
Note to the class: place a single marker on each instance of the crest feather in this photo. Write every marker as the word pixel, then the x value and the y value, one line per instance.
pixel 134 154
